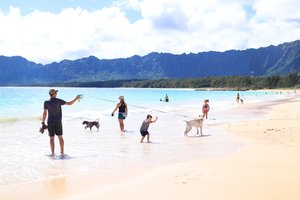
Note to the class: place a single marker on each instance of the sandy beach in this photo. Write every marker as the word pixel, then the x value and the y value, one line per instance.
pixel 266 166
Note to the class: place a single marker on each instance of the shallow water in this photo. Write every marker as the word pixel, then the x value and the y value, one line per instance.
pixel 24 150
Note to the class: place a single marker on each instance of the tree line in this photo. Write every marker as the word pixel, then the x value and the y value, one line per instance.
pixel 227 82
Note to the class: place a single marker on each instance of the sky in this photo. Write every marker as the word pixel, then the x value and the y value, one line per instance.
pixel 45 31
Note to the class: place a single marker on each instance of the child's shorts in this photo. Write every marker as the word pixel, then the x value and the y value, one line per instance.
pixel 144 133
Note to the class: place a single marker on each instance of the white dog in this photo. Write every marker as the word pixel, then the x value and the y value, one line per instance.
pixel 198 123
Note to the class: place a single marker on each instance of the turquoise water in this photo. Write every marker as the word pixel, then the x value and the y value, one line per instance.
pixel 24 150
pixel 26 102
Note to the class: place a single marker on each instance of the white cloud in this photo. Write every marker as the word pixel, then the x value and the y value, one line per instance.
pixel 173 26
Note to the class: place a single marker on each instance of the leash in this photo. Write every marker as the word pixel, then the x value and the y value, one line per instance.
pixel 145 108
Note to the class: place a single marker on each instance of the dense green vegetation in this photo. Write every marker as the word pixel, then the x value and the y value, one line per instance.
pixel 228 82
pixel 184 70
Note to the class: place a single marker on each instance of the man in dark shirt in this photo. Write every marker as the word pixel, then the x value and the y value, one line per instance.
pixel 52 107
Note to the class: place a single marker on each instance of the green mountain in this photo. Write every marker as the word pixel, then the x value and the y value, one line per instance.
pixel 265 61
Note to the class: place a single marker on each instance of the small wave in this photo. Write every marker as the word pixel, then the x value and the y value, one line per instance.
pixel 16 119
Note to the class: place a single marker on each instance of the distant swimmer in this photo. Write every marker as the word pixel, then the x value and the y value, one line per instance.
pixel 144 128
pixel 166 98
pixel 123 112
pixel 52 108
pixel 205 108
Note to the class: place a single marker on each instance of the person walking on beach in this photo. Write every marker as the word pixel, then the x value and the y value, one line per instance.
pixel 238 98
pixel 123 112
pixel 205 108
pixel 144 128
pixel 52 108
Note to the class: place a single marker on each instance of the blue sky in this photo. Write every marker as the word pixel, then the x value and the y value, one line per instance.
pixel 56 6
pixel 52 30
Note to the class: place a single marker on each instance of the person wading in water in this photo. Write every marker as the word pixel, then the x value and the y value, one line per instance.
pixel 123 112
pixel 52 107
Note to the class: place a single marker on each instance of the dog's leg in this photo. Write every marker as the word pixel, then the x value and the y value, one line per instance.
pixel 197 130
pixel 188 129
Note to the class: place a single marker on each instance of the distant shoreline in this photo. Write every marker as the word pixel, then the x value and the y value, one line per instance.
pixel 225 83
pixel 175 88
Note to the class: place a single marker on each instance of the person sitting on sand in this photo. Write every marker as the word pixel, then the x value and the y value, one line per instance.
pixel 205 108
pixel 144 128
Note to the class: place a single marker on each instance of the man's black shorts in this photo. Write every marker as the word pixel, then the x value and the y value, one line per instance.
pixel 55 128
pixel 144 133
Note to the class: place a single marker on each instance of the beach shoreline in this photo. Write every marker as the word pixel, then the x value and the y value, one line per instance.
pixel 263 164
pixel 267 167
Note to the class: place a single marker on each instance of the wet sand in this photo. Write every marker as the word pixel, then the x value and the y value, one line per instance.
pixel 266 166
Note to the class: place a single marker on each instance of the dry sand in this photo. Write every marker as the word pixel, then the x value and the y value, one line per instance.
pixel 267 167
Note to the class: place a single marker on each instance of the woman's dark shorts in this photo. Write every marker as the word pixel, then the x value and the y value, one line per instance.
pixel 55 128
pixel 121 115
pixel 144 133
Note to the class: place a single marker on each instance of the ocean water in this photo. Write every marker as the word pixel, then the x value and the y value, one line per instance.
pixel 24 150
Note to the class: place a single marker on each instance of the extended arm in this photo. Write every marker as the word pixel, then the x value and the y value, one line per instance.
pixel 154 120
pixel 73 101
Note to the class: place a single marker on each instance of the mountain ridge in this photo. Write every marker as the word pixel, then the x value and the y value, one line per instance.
pixel 264 61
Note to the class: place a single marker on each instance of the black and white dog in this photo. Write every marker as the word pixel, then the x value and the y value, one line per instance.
pixel 91 124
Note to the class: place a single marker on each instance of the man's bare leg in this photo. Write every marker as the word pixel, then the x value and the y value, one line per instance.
pixel 61 143
pixel 52 145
